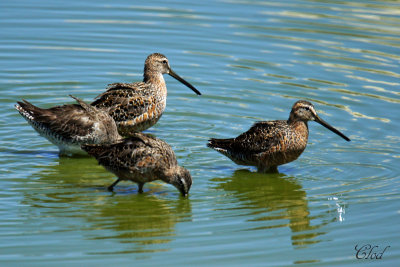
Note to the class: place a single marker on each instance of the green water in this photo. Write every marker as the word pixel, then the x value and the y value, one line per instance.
pixel 251 60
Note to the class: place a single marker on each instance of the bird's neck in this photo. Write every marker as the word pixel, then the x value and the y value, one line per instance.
pixel 301 127
pixel 155 79
pixel 292 118
pixel 151 76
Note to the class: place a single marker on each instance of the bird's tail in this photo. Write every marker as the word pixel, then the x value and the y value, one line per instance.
pixel 84 105
pixel 28 110
pixel 92 149
pixel 219 144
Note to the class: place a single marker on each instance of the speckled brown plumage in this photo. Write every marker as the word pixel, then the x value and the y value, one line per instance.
pixel 142 158
pixel 269 144
pixel 69 126
pixel 138 106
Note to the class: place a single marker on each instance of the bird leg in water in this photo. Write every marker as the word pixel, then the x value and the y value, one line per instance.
pixel 111 187
pixel 140 187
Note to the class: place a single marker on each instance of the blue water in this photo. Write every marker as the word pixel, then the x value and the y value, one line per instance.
pixel 251 60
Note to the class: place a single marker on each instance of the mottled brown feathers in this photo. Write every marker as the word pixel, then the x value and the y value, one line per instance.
pixel 125 103
pixel 137 106
pixel 265 145
pixel 66 121
pixel 134 106
pixel 142 158
pixel 260 137
pixel 70 125
pixel 132 151
pixel 269 144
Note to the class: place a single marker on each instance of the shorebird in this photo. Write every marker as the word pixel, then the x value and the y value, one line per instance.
pixel 70 126
pixel 268 144
pixel 137 106
pixel 142 158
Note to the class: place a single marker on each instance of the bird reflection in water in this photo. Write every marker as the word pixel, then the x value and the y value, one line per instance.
pixel 274 201
pixel 139 222
pixel 146 221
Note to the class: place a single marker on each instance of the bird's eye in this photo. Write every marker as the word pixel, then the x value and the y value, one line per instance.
pixel 307 108
pixel 164 61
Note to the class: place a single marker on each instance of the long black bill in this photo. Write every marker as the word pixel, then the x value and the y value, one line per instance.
pixel 176 76
pixel 328 126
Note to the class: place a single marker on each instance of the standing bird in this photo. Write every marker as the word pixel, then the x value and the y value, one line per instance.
pixel 268 144
pixel 141 159
pixel 70 126
pixel 138 106
pixel 133 106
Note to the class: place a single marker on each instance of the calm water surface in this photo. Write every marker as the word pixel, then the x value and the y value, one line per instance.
pixel 251 60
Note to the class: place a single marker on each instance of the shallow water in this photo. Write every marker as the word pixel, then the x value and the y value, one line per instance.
pixel 251 60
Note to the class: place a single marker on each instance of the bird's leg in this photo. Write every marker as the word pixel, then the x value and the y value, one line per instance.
pixel 111 187
pixel 140 189
pixel 266 169
pixel 273 169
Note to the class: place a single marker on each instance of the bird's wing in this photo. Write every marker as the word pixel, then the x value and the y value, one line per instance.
pixel 68 121
pixel 127 102
pixel 132 154
pixel 262 136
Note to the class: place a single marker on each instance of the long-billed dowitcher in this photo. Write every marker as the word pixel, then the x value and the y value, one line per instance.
pixel 141 159
pixel 138 106
pixel 268 144
pixel 69 126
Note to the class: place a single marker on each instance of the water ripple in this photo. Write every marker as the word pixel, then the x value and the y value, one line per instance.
pixel 251 60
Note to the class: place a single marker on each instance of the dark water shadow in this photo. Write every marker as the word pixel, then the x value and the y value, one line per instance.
pixel 274 201
pixel 72 189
